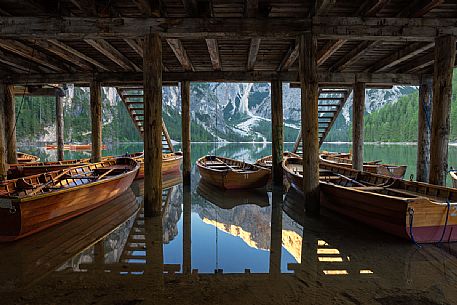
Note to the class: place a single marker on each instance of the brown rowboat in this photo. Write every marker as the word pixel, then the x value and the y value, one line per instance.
pixel 73 147
pixel 267 160
pixel 231 174
pixel 31 204
pixel 34 168
pixel 25 158
pixel 171 162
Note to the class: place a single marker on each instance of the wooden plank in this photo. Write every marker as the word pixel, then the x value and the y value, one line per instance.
pixel 353 55
pixel 290 58
pixel 370 8
pixel 309 122
pixel 328 50
pixel 180 53
pixel 32 54
pixel 62 53
pixel 277 132
pixel 417 64
pixel 419 8
pixel 3 144
pixel 186 132
pixel 252 56
pixel 251 8
pixel 96 120
pixel 423 127
pixel 330 125
pixel 148 7
pixel 213 50
pixel 320 7
pixel 88 7
pixel 19 63
pixel 113 54
pixel 60 94
pixel 152 67
pixel 399 56
pixel 442 95
pixel 135 46
pixel 358 109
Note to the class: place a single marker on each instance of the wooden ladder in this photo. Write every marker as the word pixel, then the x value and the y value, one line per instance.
pixel 330 104
pixel 132 97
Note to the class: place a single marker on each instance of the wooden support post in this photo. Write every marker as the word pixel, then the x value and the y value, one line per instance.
pixel 358 108
pixel 60 93
pixel 277 133
pixel 187 230
pixel 185 133
pixel 423 127
pixel 3 163
pixel 309 122
pixel 442 93
pixel 10 124
pixel 152 84
pixel 96 120
pixel 276 231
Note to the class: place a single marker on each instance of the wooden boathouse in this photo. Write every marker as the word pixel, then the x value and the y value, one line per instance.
pixel 327 48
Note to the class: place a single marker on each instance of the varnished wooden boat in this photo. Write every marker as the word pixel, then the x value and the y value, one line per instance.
pixel 412 210
pixel 34 168
pixel 31 204
pixel 25 158
pixel 453 174
pixel 293 171
pixel 228 199
pixel 231 174
pixel 345 160
pixel 171 162
pixel 73 147
pixel 267 160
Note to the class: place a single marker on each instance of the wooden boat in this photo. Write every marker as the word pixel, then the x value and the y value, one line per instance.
pixel 293 171
pixel 453 174
pixel 232 174
pixel 28 260
pixel 31 204
pixel 267 160
pixel 25 158
pixel 171 162
pixel 228 199
pixel 345 160
pixel 413 210
pixel 73 147
pixel 34 168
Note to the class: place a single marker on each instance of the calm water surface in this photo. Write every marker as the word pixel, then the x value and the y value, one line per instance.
pixel 207 231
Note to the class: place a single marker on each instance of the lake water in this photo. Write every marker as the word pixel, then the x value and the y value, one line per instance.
pixel 205 237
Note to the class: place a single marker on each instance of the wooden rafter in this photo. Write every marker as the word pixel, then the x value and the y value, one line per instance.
pixel 289 59
pixel 30 53
pixel 328 50
pixel 89 7
pixel 400 56
pixel 370 8
pixel 180 53
pixel 252 56
pixel 19 63
pixel 113 54
pixel 213 50
pixel 149 8
pixel 353 55
pixel 135 46
pixel 419 8
pixel 417 64
pixel 320 7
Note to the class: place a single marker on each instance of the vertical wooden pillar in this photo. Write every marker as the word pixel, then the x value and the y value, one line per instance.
pixel 3 163
pixel 276 231
pixel 187 230
pixel 185 131
pixel 152 84
pixel 309 114
pixel 358 108
pixel 423 136
pixel 60 93
pixel 442 92
pixel 96 120
pixel 10 124
pixel 277 133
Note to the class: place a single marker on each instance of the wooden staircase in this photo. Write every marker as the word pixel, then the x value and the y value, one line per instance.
pixel 330 104
pixel 132 97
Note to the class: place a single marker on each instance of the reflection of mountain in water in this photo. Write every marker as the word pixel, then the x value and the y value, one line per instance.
pixel 172 213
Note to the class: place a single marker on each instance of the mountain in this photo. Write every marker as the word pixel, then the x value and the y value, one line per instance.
pixel 227 111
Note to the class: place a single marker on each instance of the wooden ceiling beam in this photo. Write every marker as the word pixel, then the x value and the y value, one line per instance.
pixel 400 56
pixel 370 8
pixel 135 46
pixel 251 7
pixel 150 8
pixel 353 55
pixel 125 78
pixel 31 54
pixel 180 53
pixel 78 54
pixel 19 63
pixel 113 54
pixel 328 50
pixel 191 7
pixel 213 50
pixel 290 58
pixel 417 64
pixel 62 53
pixel 320 7
pixel 252 55
pixel 88 7
pixel 419 8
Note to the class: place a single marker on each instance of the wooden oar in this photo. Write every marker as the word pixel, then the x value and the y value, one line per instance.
pixel 53 180
pixel 104 174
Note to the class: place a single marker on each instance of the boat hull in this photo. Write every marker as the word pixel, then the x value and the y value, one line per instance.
pixel 170 164
pixel 33 214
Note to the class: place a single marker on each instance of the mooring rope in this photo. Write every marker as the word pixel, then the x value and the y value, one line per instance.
pixel 445 222
pixel 411 220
